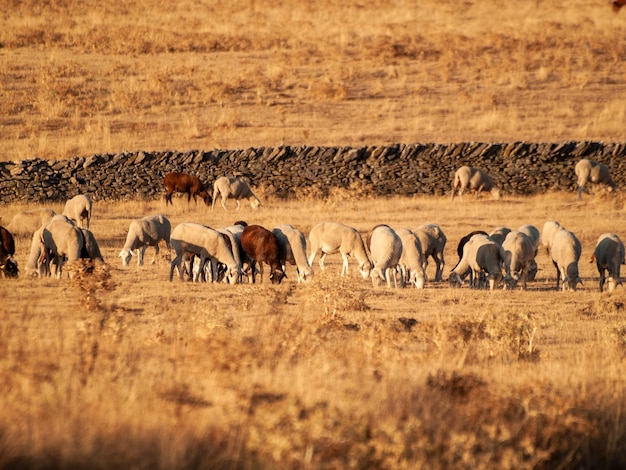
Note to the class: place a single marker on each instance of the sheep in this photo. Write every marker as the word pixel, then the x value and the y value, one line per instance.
pixel 411 262
pixel 205 243
pixel 63 242
pixel 27 222
pixel 433 242
pixel 191 185
pixel 386 250
pixel 591 171
pixel 519 251
pixel 480 254
pixel 549 229
pixel 328 238
pixel 145 232
pixel 468 177
pixel 8 264
pixel 91 249
pixel 79 209
pixel 609 256
pixel 533 234
pixel 32 265
pixel 262 246
pixel 234 188
pixel 499 234
pixel 36 264
pixel 292 246
pixel 565 250
pixel 236 230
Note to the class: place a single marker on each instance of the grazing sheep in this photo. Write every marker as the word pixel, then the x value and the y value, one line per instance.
pixel 236 230
pixel 91 249
pixel 205 243
pixel 499 234
pixel 145 232
pixel 565 250
pixel 191 185
pixel 32 265
pixel 480 254
pixel 519 252
pixel 433 242
pixel 411 262
pixel 591 171
pixel 234 244
pixel 27 222
pixel 465 239
pixel 468 177
pixel 63 242
pixel 234 188
pixel 8 265
pixel 549 229
pixel 79 209
pixel 533 234
pixel 609 256
pixel 262 246
pixel 328 238
pixel 386 250
pixel 292 246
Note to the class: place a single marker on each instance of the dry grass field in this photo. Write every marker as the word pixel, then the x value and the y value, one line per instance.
pixel 122 369
pixel 119 368
pixel 85 77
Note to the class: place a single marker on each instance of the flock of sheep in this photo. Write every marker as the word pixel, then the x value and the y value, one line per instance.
pixel 395 257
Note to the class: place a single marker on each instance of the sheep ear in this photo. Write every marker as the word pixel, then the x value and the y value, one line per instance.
pixel 593 258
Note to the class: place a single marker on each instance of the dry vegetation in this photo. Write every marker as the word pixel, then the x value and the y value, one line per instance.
pixel 121 368
pixel 85 77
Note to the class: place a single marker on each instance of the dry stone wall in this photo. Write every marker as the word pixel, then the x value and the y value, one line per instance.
pixel 405 169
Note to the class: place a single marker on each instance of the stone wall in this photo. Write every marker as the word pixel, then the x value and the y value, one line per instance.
pixel 518 168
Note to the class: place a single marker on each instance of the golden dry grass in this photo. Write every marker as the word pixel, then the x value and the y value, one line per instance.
pixel 88 77
pixel 121 368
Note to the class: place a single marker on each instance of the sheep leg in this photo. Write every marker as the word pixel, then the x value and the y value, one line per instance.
pixel 344 267
pixel 140 253
pixel 238 204
pixel 322 259
pixel 558 275
pixel 440 264
pixel 602 277
pixel 175 263
pixel 224 203
pixel 156 252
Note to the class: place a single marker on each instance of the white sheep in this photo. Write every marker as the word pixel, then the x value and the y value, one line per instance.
pixel 468 177
pixel 591 171
pixel 91 249
pixel 145 232
pixel 63 242
pixel 411 262
pixel 386 250
pixel 79 209
pixel 234 188
pixel 533 234
pixel 292 245
pixel 565 250
pixel 480 255
pixel 499 234
pixel 328 238
pixel 547 234
pixel 433 242
pixel 609 256
pixel 27 222
pixel 519 252
pixel 237 229
pixel 205 243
